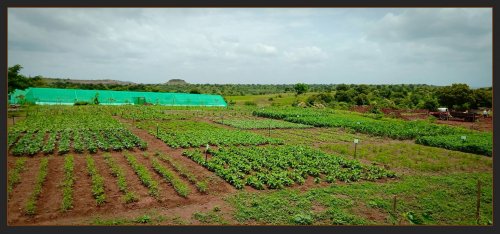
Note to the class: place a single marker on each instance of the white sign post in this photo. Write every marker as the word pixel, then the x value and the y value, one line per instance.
pixel 356 141
pixel 463 138
pixel 206 153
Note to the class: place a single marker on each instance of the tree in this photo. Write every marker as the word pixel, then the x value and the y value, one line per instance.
pixel 456 96
pixel 301 88
pixel 16 80
pixel 96 99
pixel 429 103
pixel 483 98
pixel 195 91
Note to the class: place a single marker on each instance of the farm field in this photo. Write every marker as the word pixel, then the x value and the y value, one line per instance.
pixel 153 165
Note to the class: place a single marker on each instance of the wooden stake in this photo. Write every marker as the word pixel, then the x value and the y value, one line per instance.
pixel 355 146
pixel 394 202
pixel 478 202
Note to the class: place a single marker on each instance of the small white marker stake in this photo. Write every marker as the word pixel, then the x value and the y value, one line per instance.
pixel 356 141
pixel 463 138
pixel 206 153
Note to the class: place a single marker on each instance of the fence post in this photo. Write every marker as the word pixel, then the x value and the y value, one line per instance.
pixel 478 201
pixel 356 141
pixel 394 208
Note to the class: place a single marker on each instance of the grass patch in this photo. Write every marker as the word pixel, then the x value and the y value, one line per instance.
pixel 416 157
pixel 428 200
pixel 210 217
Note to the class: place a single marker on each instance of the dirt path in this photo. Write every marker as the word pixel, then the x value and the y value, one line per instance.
pixel 49 202
pixel 22 191
pixel 216 185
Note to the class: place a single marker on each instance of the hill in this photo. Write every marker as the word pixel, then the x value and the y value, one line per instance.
pixel 176 82
pixel 106 81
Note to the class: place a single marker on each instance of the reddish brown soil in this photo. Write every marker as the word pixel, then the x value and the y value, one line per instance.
pixel 482 124
pixel 179 210
pixel 84 205
pixel 22 191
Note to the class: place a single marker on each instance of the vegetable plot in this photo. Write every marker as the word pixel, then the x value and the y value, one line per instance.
pixel 77 129
pixel 14 175
pixel 260 123
pixel 68 182
pixel 201 186
pixel 473 143
pixel 180 187
pixel 428 134
pixel 194 134
pixel 119 173
pixel 144 175
pixel 97 182
pixel 276 167
pixel 30 208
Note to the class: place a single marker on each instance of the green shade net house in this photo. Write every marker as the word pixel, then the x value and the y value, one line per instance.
pixel 50 96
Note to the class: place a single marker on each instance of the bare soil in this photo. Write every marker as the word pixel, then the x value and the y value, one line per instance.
pixel 177 209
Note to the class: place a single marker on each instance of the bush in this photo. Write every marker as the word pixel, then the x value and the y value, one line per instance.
pixel 81 103
pixel 250 103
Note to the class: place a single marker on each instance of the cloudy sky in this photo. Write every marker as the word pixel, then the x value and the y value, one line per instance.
pixel 255 45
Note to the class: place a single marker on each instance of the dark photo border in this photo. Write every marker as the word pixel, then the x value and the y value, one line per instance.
pixel 5 4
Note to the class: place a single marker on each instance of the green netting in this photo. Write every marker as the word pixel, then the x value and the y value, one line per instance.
pixel 107 97
pixel 18 96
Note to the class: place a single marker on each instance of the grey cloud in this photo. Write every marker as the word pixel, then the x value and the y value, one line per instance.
pixel 254 45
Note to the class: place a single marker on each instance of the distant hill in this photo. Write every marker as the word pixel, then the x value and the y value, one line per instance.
pixel 176 82
pixel 107 81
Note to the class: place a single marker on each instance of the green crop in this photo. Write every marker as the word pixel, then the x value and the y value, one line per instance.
pixel 276 167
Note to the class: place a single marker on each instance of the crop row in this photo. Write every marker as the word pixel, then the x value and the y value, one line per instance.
pixel 40 179
pixel 276 167
pixel 91 140
pixel 396 129
pixel 259 123
pixel 473 143
pixel 97 181
pixel 180 187
pixel 14 175
pixel 194 134
pixel 201 186
pixel 119 173
pixel 428 133
pixel 75 118
pixel 68 182
pixel 144 175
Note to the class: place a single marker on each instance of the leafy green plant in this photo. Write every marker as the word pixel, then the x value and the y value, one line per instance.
pixel 14 175
pixel 68 182
pixel 97 182
pixel 121 181
pixel 180 187
pixel 201 186
pixel 144 175
pixel 30 208
pixel 276 167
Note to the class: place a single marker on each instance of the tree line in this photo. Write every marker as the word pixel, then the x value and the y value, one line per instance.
pixel 403 96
